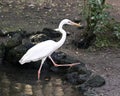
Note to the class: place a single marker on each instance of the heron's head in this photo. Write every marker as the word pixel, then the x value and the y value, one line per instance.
pixel 69 22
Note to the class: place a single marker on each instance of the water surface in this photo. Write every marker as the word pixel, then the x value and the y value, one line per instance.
pixel 23 82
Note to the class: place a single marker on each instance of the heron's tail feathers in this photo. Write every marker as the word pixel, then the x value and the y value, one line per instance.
pixel 21 61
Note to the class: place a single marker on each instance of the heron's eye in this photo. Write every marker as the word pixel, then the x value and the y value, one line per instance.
pixel 69 22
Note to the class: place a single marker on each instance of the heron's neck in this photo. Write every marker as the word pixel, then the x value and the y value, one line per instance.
pixel 62 40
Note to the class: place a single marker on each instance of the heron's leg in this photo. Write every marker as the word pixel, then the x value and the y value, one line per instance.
pixel 73 64
pixel 43 60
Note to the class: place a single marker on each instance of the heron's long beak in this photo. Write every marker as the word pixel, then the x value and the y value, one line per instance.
pixel 76 24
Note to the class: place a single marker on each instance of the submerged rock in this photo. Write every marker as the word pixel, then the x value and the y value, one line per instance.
pixel 95 81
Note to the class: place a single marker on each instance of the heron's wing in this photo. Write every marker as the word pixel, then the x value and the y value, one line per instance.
pixel 39 51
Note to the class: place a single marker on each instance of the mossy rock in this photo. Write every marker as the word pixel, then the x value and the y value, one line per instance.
pixel 13 55
pixel 13 41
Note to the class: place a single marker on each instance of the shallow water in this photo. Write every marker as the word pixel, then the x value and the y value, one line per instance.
pixel 23 82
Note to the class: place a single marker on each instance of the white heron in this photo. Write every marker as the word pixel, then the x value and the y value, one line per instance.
pixel 44 49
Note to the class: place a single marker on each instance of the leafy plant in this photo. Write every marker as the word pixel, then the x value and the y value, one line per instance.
pixel 116 29
pixel 94 14
pixel 100 23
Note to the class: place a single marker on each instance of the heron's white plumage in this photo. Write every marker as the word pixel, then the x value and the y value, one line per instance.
pixel 39 51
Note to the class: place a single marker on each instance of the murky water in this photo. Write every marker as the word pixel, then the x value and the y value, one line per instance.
pixel 23 82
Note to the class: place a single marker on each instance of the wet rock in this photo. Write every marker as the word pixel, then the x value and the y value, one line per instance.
pixel 95 81
pixel 72 78
pixel 13 55
pixel 0 61
pixel 91 82
pixel 11 33
pixel 82 88
pixel 78 78
pixel 90 93
pixel 85 41
pixel 13 41
pixel 62 58
pixel 51 33
pixel 81 68
pixel 75 75
pixel 59 70
pixel 2 33
pixel 20 32
pixel 2 52
pixel 45 34
pixel 38 38
pixel 84 77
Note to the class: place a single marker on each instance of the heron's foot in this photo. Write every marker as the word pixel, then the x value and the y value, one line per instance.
pixel 70 65
pixel 74 64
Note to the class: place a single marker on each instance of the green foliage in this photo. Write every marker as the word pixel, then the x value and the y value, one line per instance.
pixel 100 23
pixel 116 30
pixel 94 14
pixel 102 42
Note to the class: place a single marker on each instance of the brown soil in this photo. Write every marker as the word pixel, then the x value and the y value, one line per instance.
pixel 33 17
